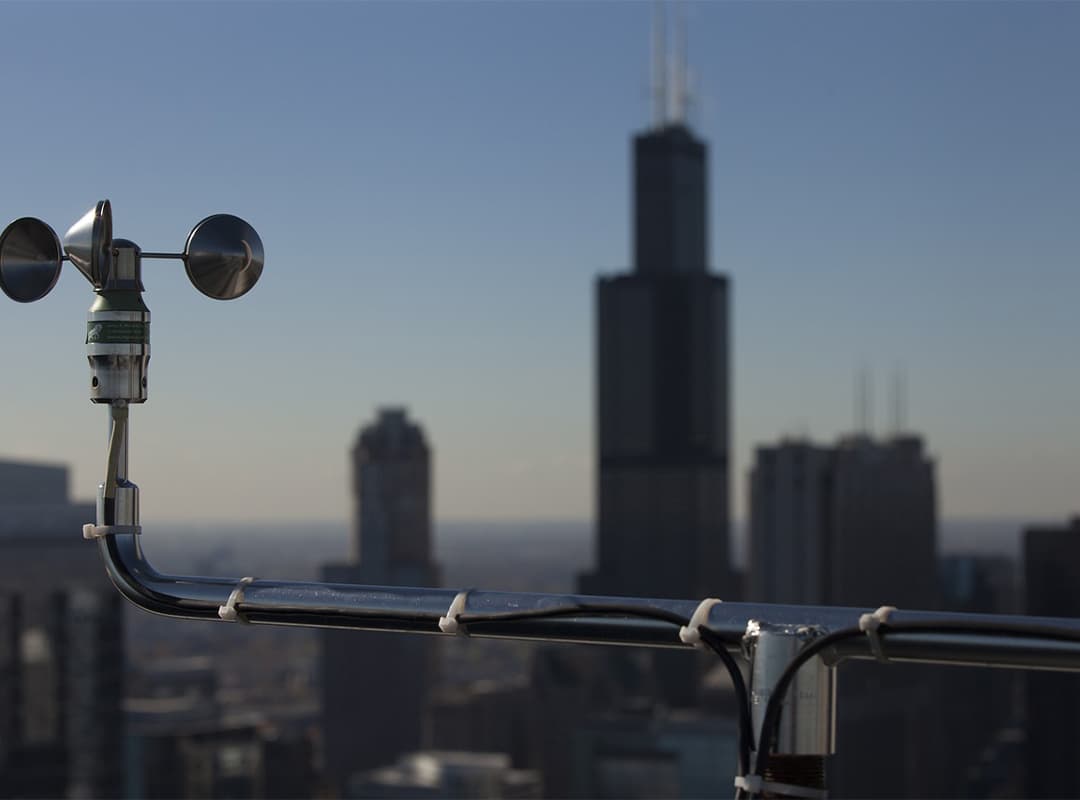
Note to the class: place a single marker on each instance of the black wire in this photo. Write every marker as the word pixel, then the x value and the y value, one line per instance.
pixel 745 736
pixel 771 719
pixel 574 609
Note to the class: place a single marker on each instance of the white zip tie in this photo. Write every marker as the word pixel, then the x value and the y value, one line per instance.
pixel 91 531
pixel 869 624
pixel 690 633
pixel 229 612
pixel 449 623
pixel 754 784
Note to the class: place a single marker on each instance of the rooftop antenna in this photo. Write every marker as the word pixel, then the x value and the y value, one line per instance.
pixel 863 401
pixel 898 400
pixel 680 77
pixel 690 100
pixel 659 64
pixel 857 406
pixel 868 398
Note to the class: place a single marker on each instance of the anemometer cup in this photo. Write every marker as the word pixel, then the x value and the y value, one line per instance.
pixel 88 244
pixel 29 260
pixel 223 257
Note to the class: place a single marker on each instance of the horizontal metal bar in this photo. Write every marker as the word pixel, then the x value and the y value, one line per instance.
pixel 413 610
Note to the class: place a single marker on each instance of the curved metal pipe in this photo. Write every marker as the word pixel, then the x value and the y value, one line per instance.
pixel 416 610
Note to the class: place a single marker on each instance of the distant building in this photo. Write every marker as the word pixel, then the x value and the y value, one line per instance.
pixel 883 547
pixel 790 484
pixel 650 755
pixel 825 522
pixel 453 775
pixel 173 694
pixel 186 760
pixel 662 400
pixel 485 716
pixel 568 686
pixel 375 685
pixel 1051 578
pixel 662 389
pixel 62 647
pixel 855 524
pixel 391 487
pixel 979 721
pixel 10 677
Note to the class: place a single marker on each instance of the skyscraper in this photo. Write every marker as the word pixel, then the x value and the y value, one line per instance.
pixel 1052 574
pixel 789 524
pixel 374 685
pixel 662 409
pixel 391 487
pixel 61 644
pixel 824 521
pixel 884 512
pixel 856 525
pixel 662 388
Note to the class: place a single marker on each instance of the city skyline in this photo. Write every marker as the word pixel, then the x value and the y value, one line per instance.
pixel 890 183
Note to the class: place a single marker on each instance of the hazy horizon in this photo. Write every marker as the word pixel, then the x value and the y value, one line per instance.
pixel 965 535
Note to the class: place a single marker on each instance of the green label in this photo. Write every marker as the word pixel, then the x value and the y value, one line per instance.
pixel 117 332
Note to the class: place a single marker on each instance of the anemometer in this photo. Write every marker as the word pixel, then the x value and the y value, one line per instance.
pixel 223 257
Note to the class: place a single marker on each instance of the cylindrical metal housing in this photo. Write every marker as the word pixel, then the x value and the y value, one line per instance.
pixel 118 333
pixel 808 716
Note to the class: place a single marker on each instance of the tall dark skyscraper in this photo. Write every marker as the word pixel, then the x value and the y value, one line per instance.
pixel 662 389
pixel 375 685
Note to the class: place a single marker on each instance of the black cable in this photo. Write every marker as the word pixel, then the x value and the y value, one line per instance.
pixel 572 610
pixel 745 736
pixel 771 720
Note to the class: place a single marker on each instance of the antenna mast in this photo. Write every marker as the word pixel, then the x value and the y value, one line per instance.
pixel 868 400
pixel 857 406
pixel 659 64
pixel 899 400
pixel 863 400
pixel 680 78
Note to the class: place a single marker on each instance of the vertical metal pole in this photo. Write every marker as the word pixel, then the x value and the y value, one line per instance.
pixel 118 348
pixel 122 454
pixel 807 730
pixel 118 498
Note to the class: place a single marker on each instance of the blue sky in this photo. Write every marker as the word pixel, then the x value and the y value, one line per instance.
pixel 437 185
